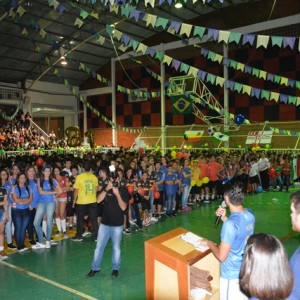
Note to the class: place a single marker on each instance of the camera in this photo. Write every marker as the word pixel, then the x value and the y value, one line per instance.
pixel 113 175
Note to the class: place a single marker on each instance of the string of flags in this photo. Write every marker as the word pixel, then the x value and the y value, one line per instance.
pixel 284 132
pixel 74 91
pixel 215 57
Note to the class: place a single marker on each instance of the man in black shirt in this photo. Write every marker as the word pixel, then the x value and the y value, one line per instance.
pixel 115 200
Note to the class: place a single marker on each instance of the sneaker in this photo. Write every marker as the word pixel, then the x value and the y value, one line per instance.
pixel 186 209
pixel 87 233
pixel 53 243
pixel 157 216
pixel 58 234
pixel 22 250
pixel 127 231
pixel 66 235
pixel 48 245
pixel 11 246
pixel 153 219
pixel 3 255
pixel 76 239
pixel 38 246
pixel 174 214
pixel 133 223
pixel 32 242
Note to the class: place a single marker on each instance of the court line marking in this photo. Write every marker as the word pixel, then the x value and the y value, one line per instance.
pixel 26 272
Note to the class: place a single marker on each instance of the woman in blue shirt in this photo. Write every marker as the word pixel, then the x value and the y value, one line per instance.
pixel 4 178
pixel 22 196
pixel 32 182
pixel 48 190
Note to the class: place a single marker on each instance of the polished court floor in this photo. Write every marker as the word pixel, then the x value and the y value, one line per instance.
pixel 59 272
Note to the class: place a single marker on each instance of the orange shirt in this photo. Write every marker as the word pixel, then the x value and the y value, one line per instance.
pixel 204 170
pixel 214 168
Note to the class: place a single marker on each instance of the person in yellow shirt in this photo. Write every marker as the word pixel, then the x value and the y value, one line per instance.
pixel 195 190
pixel 85 192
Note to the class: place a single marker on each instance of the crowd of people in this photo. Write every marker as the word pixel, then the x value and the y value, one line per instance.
pixel 38 192
pixel 19 135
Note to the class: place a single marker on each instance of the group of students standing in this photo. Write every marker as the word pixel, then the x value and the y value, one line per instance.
pixel 28 203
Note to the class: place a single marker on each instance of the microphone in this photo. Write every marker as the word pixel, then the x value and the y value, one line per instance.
pixel 218 219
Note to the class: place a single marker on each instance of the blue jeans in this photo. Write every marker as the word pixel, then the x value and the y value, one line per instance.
pixel 20 218
pixel 48 209
pixel 170 203
pixel 185 194
pixel 30 224
pixel 104 234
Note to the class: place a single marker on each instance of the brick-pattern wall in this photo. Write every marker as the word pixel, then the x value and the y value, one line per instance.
pixel 274 60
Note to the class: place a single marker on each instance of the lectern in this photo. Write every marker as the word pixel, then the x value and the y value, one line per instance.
pixel 168 260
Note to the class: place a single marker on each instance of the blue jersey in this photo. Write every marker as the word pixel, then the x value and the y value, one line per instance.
pixel 171 189
pixel 158 177
pixel 35 193
pixel 21 192
pixel 235 231
pixel 186 180
pixel 47 187
pixel 295 268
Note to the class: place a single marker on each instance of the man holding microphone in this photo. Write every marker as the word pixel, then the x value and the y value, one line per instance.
pixel 234 234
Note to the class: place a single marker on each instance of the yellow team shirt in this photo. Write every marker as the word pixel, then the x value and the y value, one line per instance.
pixel 87 184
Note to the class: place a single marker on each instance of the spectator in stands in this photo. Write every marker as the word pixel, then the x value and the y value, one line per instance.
pixel 265 272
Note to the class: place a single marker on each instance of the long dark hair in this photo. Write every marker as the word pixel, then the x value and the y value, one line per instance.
pixel 265 271
pixel 4 170
pixel 18 183
pixel 43 179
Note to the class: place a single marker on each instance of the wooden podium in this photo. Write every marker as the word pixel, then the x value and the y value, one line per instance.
pixel 167 265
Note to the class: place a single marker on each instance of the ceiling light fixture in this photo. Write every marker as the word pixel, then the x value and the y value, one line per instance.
pixel 179 4
pixel 63 61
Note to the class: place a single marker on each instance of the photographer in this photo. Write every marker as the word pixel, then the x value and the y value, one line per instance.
pixel 115 200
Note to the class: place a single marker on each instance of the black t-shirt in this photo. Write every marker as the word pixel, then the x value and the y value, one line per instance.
pixel 113 215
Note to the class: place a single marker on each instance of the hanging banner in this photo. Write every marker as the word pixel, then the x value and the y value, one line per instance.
pixel 259 137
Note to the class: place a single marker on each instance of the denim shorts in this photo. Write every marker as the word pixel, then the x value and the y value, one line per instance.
pixel 2 215
pixel 61 199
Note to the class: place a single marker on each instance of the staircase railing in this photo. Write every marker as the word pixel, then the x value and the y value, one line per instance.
pixel 39 130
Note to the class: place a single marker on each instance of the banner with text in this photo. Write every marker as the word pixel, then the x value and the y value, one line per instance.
pixel 259 137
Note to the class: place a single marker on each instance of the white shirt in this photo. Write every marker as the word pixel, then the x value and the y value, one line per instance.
pixel 263 164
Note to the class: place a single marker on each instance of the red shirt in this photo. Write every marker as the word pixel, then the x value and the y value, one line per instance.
pixel 62 182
